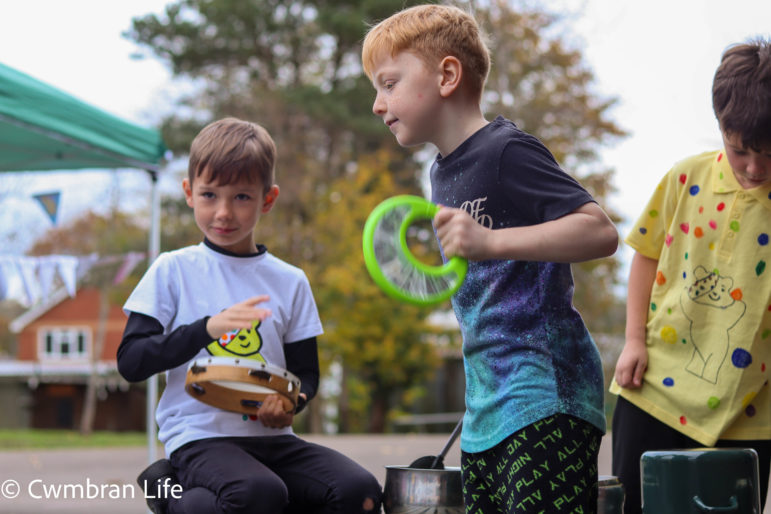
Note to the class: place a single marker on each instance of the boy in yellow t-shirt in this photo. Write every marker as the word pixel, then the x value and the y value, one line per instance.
pixel 694 370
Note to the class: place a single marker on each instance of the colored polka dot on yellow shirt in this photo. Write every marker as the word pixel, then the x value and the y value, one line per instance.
pixel 669 334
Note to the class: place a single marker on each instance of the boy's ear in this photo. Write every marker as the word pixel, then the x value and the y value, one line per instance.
pixel 188 189
pixel 451 71
pixel 270 199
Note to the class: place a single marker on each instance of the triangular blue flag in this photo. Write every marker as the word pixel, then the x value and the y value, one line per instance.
pixel 50 204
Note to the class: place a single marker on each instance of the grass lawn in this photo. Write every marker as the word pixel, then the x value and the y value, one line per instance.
pixel 21 439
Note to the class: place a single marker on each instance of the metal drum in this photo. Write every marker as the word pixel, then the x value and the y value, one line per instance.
pixel 700 480
pixel 416 491
pixel 610 495
pixel 440 491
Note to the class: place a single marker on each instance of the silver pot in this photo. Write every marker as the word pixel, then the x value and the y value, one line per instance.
pixel 414 491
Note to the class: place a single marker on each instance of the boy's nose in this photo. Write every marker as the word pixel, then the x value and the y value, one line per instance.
pixel 224 210
pixel 378 106
pixel 755 165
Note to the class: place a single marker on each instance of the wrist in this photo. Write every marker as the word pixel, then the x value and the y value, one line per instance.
pixel 302 401
pixel 496 245
pixel 635 342
pixel 207 325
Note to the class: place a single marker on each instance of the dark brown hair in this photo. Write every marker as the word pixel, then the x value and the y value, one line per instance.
pixel 232 150
pixel 741 93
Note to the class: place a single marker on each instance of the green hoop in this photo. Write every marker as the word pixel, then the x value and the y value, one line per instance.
pixel 400 274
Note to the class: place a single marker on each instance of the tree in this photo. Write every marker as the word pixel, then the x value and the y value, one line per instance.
pixel 294 67
pixel 385 346
pixel 9 310
pixel 178 227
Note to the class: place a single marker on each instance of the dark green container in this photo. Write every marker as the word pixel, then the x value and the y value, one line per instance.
pixel 610 498
pixel 700 480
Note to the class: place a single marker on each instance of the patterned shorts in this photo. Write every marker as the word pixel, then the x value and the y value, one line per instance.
pixel 547 467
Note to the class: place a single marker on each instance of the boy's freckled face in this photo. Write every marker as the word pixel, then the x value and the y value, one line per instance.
pixel 407 96
pixel 751 168
pixel 227 214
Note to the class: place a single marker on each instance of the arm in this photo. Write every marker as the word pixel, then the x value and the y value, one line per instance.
pixel 584 234
pixel 302 359
pixel 145 350
pixel 634 357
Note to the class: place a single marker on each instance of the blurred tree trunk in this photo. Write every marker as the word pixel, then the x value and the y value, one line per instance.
pixel 316 416
pixel 378 414
pixel 94 382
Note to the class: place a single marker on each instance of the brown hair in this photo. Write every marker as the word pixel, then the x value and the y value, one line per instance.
pixel 431 32
pixel 231 150
pixel 741 93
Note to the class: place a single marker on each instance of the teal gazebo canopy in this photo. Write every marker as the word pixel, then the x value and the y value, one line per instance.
pixel 43 128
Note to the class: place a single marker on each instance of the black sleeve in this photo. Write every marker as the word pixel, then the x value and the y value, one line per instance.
pixel 302 359
pixel 538 188
pixel 145 350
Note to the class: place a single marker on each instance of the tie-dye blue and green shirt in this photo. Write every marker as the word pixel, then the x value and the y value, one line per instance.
pixel 527 352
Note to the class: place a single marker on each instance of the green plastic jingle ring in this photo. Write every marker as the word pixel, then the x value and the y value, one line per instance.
pixel 392 265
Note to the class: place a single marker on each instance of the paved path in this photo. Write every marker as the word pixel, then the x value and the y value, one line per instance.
pixel 109 474
pixel 104 478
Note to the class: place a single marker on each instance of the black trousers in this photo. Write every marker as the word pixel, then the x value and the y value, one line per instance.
pixel 549 466
pixel 636 432
pixel 270 475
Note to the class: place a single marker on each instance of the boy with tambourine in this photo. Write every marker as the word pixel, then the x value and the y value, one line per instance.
pixel 229 296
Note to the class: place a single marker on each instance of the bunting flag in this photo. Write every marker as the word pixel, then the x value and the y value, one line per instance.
pixel 130 262
pixel 31 279
pixel 50 204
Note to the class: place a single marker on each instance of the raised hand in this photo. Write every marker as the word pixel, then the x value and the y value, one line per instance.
pixel 238 316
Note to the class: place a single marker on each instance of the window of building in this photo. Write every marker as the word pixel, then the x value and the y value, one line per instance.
pixel 64 343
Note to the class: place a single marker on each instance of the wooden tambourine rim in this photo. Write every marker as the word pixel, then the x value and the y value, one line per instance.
pixel 202 375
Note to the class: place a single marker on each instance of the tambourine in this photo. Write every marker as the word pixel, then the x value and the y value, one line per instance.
pixel 240 385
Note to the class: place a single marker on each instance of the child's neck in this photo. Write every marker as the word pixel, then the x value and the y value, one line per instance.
pixel 458 124
pixel 258 250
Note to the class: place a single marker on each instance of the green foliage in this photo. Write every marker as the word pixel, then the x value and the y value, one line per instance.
pixel 292 66
pixel 384 345
pixel 48 439
pixel 178 228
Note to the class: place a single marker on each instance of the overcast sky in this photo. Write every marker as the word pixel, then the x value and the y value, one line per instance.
pixel 658 57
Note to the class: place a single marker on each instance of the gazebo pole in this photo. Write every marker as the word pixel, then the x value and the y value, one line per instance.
pixel 154 249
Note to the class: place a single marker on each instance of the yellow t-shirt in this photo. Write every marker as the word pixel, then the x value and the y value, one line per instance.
pixel 709 318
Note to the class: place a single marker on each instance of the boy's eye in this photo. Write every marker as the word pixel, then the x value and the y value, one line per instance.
pixel 737 150
pixel 389 85
pixel 207 194
pixel 243 196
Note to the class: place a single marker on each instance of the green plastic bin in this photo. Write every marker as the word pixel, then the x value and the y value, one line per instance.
pixel 700 480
